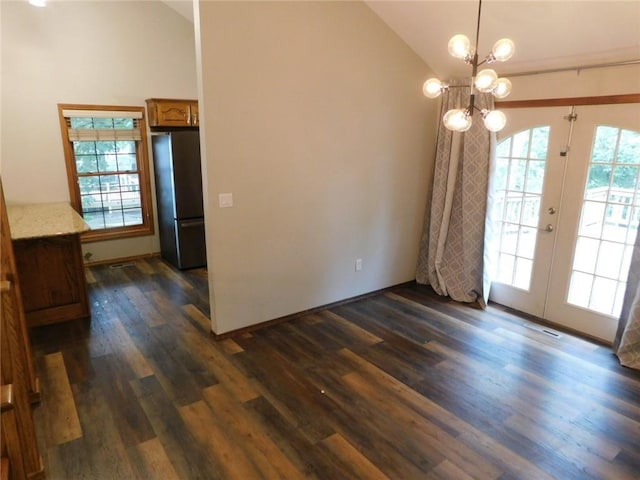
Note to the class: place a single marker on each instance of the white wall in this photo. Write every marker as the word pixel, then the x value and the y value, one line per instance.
pixel 97 52
pixel 315 120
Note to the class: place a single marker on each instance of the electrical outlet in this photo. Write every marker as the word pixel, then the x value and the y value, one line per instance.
pixel 358 264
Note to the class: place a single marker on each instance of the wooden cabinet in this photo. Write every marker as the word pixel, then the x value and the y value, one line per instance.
pixel 52 279
pixel 48 257
pixel 19 386
pixel 165 112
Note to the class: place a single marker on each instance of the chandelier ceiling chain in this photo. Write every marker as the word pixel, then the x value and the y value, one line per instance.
pixel 487 81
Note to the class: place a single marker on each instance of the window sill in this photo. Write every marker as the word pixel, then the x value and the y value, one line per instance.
pixel 116 233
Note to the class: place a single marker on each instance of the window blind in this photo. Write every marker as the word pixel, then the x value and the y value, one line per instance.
pixel 101 113
pixel 102 134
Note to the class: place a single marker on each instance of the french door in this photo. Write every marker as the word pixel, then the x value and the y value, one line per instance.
pixel 565 213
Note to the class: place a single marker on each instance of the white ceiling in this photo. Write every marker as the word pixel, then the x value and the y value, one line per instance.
pixel 547 34
pixel 183 7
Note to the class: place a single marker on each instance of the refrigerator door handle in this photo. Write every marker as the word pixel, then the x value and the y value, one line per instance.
pixel 191 223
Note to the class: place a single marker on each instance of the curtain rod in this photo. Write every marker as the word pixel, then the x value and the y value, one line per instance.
pixel 577 67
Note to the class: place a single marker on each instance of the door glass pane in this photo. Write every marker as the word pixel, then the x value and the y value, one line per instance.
pixel 500 175
pixel 517 175
pixel 520 168
pixel 609 259
pixel 586 255
pixel 506 264
pixel 535 177
pixel 624 179
pixel 520 144
pixel 580 289
pixel 539 143
pixel 599 178
pixel 629 149
pixel 604 144
pixel 614 227
pixel 592 219
pixel 527 242
pixel 603 296
pixel 509 238
pixel 522 278
pixel 513 207
pixel 530 210
pixel 608 223
pixel 503 149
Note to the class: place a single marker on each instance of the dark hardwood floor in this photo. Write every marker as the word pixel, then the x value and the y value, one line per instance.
pixel 400 385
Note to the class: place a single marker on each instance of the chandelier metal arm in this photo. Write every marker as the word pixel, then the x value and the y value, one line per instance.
pixel 478 31
pixel 472 106
pixel 474 71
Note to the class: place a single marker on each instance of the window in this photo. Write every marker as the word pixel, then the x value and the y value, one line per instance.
pixel 108 169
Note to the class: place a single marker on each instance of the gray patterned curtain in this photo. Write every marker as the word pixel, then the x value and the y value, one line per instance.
pixel 452 257
pixel 627 342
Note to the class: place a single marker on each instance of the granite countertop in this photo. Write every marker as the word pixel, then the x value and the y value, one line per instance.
pixel 39 220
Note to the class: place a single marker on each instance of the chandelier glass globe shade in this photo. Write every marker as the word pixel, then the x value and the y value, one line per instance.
pixel 457 120
pixel 486 80
pixel 494 120
pixel 432 88
pixel 503 49
pixel 460 46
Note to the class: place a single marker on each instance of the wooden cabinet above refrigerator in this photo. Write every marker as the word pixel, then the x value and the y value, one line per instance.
pixel 166 112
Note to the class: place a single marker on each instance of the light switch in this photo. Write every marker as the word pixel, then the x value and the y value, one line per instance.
pixel 225 200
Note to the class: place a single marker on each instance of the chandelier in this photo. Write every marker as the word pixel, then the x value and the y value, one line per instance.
pixel 487 81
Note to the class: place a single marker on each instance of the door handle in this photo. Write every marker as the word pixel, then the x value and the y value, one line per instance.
pixel 191 223
pixel 548 228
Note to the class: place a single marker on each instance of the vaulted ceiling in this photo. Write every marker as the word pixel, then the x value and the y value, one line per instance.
pixel 547 34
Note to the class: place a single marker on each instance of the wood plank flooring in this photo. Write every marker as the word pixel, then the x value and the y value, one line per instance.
pixel 399 385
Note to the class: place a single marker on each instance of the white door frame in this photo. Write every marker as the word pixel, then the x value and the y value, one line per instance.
pixel 564 315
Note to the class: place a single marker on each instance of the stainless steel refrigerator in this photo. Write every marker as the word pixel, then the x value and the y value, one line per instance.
pixel 176 159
